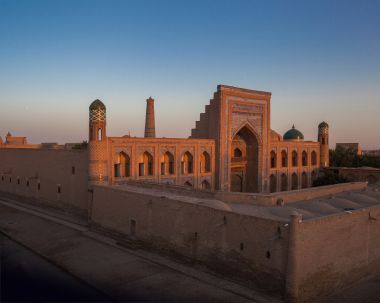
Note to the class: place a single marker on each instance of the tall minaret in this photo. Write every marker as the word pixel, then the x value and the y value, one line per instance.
pixel 323 139
pixel 97 143
pixel 150 129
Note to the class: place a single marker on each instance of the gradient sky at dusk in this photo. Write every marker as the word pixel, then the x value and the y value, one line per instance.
pixel 320 60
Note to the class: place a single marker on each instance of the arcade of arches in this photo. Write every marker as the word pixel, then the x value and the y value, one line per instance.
pixel 291 170
pixel 167 168
pixel 281 183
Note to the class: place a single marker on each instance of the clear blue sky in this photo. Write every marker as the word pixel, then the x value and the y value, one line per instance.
pixel 320 60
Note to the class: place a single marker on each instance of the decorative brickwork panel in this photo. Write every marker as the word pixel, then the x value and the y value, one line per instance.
pixel 97 115
pixel 187 179
pixel 170 149
pixel 143 149
pixel 189 149
pixel 126 150
pixel 206 149
pixel 247 108
pixel 241 119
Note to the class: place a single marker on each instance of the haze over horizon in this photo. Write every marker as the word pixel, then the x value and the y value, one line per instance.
pixel 321 61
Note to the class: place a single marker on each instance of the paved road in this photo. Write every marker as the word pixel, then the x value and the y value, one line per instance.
pixel 121 274
pixel 26 277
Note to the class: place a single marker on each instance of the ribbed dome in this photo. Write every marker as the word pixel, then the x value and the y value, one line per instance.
pixel 293 134
pixel 97 104
pixel 323 125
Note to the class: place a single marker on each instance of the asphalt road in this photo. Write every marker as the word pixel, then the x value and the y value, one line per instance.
pixel 27 277
pixel 125 275
pixel 121 274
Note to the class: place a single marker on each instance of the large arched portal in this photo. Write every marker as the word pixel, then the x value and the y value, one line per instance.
pixel 247 164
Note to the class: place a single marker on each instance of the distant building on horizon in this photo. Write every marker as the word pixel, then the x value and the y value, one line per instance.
pixel 372 152
pixel 356 147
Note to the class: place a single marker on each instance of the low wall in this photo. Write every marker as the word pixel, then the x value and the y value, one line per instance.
pixel 362 174
pixel 333 252
pixel 176 189
pixel 57 178
pixel 288 196
pixel 254 198
pixel 251 249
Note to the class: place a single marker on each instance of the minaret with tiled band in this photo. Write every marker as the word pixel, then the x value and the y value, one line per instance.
pixel 323 139
pixel 97 143
pixel 150 129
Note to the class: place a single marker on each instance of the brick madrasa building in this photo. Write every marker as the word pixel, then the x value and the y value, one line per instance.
pixel 232 148
pixel 235 196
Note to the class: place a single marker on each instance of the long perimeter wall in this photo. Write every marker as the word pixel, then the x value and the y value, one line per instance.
pixel 54 177
pixel 252 249
pixel 302 259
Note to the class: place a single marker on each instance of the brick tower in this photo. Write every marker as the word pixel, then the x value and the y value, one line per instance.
pixel 323 139
pixel 150 129
pixel 97 145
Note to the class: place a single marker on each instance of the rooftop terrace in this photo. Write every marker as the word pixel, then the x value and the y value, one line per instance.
pixel 327 204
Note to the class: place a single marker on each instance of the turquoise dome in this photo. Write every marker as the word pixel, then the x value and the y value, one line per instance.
pixel 293 134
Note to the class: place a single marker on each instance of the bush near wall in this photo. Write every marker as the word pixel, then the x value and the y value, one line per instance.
pixel 329 178
pixel 342 157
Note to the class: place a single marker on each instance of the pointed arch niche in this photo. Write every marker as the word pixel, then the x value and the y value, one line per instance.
pixel 122 167
pixel 245 169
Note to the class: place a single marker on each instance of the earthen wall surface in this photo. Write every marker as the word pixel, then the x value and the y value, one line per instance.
pixel 21 170
pixel 334 251
pixel 249 248
pixel 312 257
pixel 288 196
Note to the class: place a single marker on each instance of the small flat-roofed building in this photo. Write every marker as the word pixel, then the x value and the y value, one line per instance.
pixel 11 140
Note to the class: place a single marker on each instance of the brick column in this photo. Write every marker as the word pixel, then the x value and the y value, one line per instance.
pixel 150 129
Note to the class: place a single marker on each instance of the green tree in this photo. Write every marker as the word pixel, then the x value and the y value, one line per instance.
pixel 342 157
pixel 328 177
pixel 371 161
pixel 82 145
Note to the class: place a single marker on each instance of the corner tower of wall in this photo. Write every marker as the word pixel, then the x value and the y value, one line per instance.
pixel 97 147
